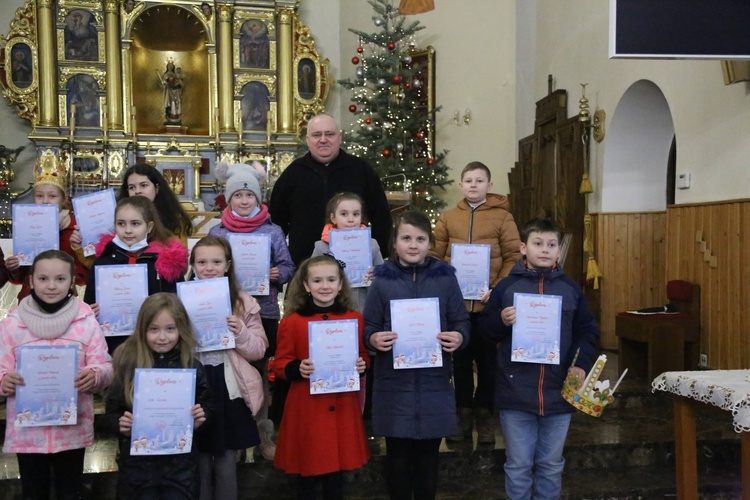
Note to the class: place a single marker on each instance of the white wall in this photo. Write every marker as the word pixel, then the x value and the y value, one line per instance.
pixel 711 120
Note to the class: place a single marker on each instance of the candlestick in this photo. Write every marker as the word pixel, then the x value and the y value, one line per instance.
pixel 72 121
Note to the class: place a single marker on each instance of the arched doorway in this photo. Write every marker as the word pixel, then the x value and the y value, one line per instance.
pixel 639 142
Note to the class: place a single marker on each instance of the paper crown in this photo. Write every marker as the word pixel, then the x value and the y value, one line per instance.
pixel 49 171
pixel 595 394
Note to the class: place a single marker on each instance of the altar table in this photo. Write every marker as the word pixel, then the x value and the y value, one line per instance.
pixel 726 389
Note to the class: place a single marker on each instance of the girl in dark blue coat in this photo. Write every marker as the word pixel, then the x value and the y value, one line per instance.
pixel 413 408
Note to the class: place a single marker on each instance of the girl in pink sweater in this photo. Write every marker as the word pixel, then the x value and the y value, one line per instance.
pixel 52 316
pixel 236 385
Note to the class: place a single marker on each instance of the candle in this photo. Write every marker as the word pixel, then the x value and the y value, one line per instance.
pixel 239 131
pixel 133 121
pixel 104 117
pixel 216 125
pixel 72 121
pixel 269 126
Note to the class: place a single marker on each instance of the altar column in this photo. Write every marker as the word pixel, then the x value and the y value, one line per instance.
pixel 48 115
pixel 285 96
pixel 226 87
pixel 114 65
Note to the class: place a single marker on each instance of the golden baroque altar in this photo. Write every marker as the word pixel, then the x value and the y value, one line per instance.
pixel 179 84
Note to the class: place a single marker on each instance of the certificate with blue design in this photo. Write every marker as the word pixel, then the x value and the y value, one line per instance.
pixel 251 254
pixel 163 402
pixel 49 396
pixel 36 228
pixel 120 292
pixel 334 349
pixel 354 248
pixel 95 215
pixel 417 323
pixel 208 304
pixel 472 263
pixel 536 332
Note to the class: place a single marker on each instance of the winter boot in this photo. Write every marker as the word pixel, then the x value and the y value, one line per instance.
pixel 266 448
pixel 485 422
pixel 465 424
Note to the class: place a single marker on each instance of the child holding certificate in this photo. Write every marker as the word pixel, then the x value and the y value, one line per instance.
pixel 527 394
pixel 246 214
pixel 140 238
pixel 236 384
pixel 346 211
pixel 49 188
pixel 163 339
pixel 51 316
pixel 481 218
pixel 322 434
pixel 413 408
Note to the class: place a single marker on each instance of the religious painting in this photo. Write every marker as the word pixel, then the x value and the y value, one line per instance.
pixel 85 164
pixel 81 38
pixel 254 45
pixel 306 79
pixel 180 172
pixel 21 66
pixel 255 105
pixel 82 92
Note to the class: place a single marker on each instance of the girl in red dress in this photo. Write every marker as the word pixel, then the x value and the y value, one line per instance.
pixel 321 435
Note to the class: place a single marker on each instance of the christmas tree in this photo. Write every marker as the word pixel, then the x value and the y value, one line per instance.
pixel 394 126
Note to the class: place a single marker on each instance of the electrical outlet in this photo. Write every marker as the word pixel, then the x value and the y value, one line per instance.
pixel 703 360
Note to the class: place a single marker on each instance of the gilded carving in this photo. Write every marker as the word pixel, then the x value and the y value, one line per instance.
pixel 68 72
pixel 244 78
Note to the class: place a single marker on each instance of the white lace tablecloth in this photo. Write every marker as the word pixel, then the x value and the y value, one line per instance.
pixel 727 389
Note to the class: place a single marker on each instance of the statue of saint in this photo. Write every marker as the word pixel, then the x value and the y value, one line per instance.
pixel 171 82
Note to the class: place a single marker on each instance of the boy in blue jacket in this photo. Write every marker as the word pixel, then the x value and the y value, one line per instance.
pixel 533 414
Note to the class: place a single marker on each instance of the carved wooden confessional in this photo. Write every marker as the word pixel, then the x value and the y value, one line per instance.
pixel 547 177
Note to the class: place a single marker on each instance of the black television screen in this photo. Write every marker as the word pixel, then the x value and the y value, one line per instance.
pixel 689 29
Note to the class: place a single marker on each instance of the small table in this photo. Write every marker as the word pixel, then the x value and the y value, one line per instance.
pixel 725 389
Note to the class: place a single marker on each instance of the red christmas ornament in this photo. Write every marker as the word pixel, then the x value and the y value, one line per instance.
pixel 386 152
pixel 420 135
pixel 368 121
pixel 397 78
pixel 355 60
pixel 352 108
pixel 391 45
pixel 360 49
pixel 431 161
pixel 407 85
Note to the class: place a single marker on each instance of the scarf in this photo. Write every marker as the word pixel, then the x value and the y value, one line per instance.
pixel 44 325
pixel 327 230
pixel 237 224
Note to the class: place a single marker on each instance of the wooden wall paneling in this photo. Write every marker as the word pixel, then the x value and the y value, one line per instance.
pixel 631 252
pixel 742 266
pixel 725 289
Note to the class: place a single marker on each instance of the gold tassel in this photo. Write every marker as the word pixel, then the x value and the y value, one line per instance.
pixel 588 244
pixel 593 272
pixel 586 187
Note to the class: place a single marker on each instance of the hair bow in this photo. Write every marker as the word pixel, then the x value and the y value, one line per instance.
pixel 341 263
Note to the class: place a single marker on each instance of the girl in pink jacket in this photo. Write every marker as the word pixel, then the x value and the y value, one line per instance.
pixel 52 316
pixel 236 385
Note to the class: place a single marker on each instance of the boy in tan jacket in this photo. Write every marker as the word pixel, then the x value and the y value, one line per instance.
pixel 480 218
